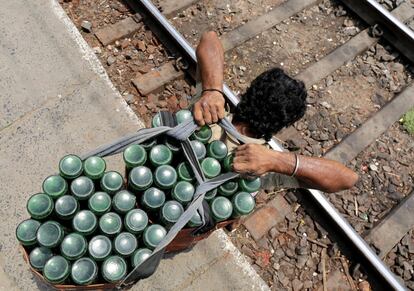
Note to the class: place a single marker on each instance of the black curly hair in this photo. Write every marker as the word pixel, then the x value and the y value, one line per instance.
pixel 273 101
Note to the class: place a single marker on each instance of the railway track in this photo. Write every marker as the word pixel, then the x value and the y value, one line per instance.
pixel 163 66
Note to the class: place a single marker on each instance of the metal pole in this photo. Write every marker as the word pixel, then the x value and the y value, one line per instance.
pixel 362 246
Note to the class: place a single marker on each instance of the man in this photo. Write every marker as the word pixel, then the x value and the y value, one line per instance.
pixel 273 101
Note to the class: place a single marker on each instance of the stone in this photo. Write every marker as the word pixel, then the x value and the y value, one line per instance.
pixel 297 285
pixel 129 98
pixel 373 167
pixel 110 60
pixel 86 26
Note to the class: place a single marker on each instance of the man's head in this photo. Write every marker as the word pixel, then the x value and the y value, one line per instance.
pixel 273 101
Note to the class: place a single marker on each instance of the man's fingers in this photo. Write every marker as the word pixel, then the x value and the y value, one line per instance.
pixel 241 167
pixel 214 116
pixel 240 159
pixel 198 114
pixel 206 113
pixel 220 112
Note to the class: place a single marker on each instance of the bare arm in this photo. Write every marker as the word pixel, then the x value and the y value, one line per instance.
pixel 210 57
pixel 314 173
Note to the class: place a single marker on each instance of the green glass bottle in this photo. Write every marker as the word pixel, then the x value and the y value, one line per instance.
pixel 114 269
pixel 172 144
pixel 100 203
pixel 82 188
pixel 183 192
pixel 196 220
pixel 153 199
pixel 228 163
pixel 50 234
pixel 140 178
pixel 39 206
pixel 221 208
pixel 135 221
pixel 211 167
pixel 100 247
pixel 73 246
pixel 183 115
pixel 26 232
pixel 171 212
pixel 250 185
pixel 70 167
pixel 56 270
pixel 153 235
pixel 39 256
pixel 228 189
pixel 210 195
pixel 185 173
pixel 243 204
pixel 160 155
pixel 139 256
pixel 134 156
pixel 148 144
pixel 84 271
pixel 217 149
pixel 165 177
pixel 199 149
pixel 85 222
pixel 66 207
pixel 55 186
pixel 110 224
pixel 203 134
pixel 94 167
pixel 123 201
pixel 156 120
pixel 125 244
pixel 112 182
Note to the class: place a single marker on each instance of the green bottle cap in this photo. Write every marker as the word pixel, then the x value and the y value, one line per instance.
pixel 153 199
pixel 112 182
pixel 39 256
pixel 56 270
pixel 217 149
pixel 211 167
pixel 153 235
pixel 110 223
pixel 203 134
pixel 171 212
pixel 172 144
pixel 183 192
pixel 134 156
pixel 26 232
pixel 114 269
pixel 84 271
pixel 55 186
pixel 70 167
pixel 100 203
pixel 82 188
pixel 160 155
pixel 250 185
pixel 100 247
pixel 123 201
pixel 228 163
pixel 50 234
pixel 40 206
pixel 199 149
pixel 228 189
pixel 136 220
pixel 140 178
pixel 156 120
pixel 85 222
pixel 221 208
pixel 195 220
pixel 148 144
pixel 243 204
pixel 94 167
pixel 183 115
pixel 125 244
pixel 165 177
pixel 185 173
pixel 66 207
pixel 73 246
pixel 139 256
pixel 210 195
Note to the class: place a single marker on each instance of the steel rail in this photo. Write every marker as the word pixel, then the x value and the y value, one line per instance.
pixel 396 32
pixel 318 196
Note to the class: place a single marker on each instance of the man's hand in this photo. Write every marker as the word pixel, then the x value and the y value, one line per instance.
pixel 209 109
pixel 253 159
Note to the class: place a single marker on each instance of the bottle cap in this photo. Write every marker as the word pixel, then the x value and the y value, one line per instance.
pixel 66 207
pixel 183 192
pixel 139 256
pixel 185 172
pixel 110 223
pixel 55 186
pixel 160 155
pixel 84 271
pixel 171 212
pixel 100 203
pixel 199 149
pixel 243 203
pixel 221 208
pixel 203 134
pixel 100 247
pixel 165 177
pixel 49 234
pixel 136 220
pixel 82 188
pixel 211 167
pixel 123 201
pixel 125 244
pixel 134 156
pixel 39 256
pixel 26 232
pixel 112 182
pixel 56 269
pixel 94 167
pixel 85 222
pixel 73 246
pixel 70 167
pixel 140 178
pixel 228 189
pixel 40 206
pixel 153 235
pixel 153 198
pixel 183 115
pixel 114 269
pixel 217 149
